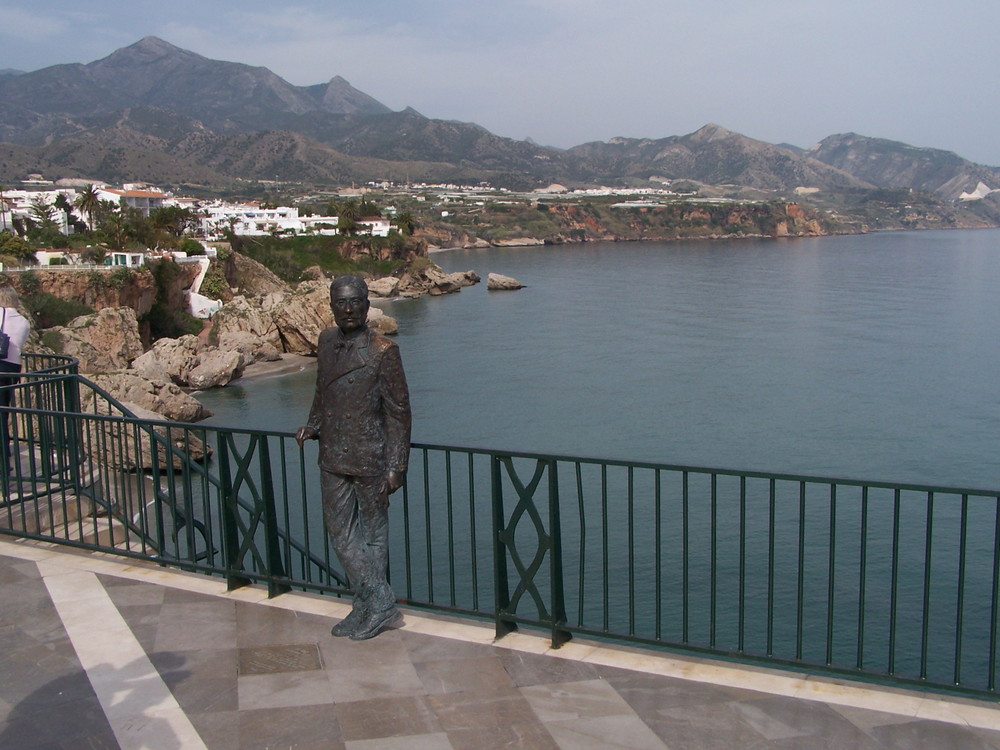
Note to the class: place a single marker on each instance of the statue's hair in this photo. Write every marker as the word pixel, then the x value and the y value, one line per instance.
pixel 355 282
pixel 8 296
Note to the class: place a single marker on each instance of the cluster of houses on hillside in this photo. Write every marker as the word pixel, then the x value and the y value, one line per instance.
pixel 216 216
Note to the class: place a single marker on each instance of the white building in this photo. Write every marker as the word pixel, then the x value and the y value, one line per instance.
pixel 251 219
pixel 17 204
pixel 145 200
pixel 375 227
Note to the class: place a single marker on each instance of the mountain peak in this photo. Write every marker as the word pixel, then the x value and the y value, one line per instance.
pixel 149 49
pixel 340 96
pixel 154 43
pixel 711 132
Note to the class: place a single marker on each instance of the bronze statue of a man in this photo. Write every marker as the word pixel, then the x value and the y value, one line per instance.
pixel 361 416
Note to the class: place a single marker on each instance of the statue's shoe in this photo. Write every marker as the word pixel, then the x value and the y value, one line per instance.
pixel 376 623
pixel 349 624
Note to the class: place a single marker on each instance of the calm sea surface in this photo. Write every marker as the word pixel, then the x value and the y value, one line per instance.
pixel 873 356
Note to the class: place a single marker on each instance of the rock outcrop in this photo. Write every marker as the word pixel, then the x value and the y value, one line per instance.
pixel 103 342
pixel 433 281
pixel 133 450
pixel 248 277
pixel 379 321
pixel 169 360
pixel 250 348
pixel 299 316
pixel 98 288
pixel 189 363
pixel 164 398
pixel 499 282
pixel 215 367
pixel 385 287
pixel 239 315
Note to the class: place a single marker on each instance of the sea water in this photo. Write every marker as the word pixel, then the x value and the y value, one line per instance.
pixel 863 356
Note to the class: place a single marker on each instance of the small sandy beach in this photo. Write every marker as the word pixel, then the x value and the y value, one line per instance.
pixel 288 363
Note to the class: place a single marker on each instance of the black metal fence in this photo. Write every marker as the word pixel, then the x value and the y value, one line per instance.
pixel 871 580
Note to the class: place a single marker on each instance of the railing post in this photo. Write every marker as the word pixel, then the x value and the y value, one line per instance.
pixel 74 434
pixel 230 519
pixel 551 611
pixel 501 588
pixel 275 569
pixel 558 605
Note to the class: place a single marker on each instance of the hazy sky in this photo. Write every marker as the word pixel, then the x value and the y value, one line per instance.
pixel 569 71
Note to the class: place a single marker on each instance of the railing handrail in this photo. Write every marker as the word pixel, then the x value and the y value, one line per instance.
pixel 873 580
pixel 696 469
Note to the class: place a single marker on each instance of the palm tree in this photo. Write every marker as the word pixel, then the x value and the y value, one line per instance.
pixel 114 223
pixel 349 209
pixel 88 201
pixel 406 222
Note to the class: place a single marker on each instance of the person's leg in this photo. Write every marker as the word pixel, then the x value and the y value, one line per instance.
pixel 376 592
pixel 341 515
pixel 8 377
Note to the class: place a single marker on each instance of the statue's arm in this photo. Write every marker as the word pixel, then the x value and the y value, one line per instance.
pixel 310 431
pixel 396 403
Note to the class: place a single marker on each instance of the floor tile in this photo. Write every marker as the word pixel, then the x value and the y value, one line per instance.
pixel 784 718
pixel 343 653
pixel 532 669
pixel 289 727
pixel 455 675
pixel 429 648
pixel 437 741
pixel 575 700
pixel 508 737
pixel 929 735
pixel 129 594
pixel 605 733
pixel 362 684
pixel 283 690
pixel 198 624
pixel 386 717
pixel 480 709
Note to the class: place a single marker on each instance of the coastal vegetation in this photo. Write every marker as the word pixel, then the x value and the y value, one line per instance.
pixel 289 257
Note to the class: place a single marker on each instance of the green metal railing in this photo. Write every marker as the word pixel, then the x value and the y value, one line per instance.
pixel 871 580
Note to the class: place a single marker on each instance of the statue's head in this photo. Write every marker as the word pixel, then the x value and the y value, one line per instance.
pixel 349 303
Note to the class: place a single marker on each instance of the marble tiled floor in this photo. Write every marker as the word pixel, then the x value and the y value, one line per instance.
pixel 98 653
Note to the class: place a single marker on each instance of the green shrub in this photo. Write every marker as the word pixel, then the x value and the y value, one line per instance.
pixel 121 277
pixel 30 283
pixel 53 340
pixel 214 285
pixel 165 319
pixel 49 310
pixel 191 247
pixel 165 322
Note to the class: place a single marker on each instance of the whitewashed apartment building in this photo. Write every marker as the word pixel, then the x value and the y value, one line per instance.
pixel 251 219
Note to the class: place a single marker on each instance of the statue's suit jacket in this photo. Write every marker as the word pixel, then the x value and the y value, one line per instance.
pixel 362 406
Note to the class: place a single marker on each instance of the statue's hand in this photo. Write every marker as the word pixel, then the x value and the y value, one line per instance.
pixel 394 480
pixel 306 433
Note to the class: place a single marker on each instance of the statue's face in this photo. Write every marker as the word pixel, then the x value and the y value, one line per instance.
pixel 350 308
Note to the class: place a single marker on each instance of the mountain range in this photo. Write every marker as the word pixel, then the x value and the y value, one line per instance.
pixel 152 111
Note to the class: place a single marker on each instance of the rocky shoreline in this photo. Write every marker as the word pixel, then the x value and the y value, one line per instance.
pixel 266 329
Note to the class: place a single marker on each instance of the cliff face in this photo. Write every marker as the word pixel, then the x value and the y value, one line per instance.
pixel 97 288
pixel 556 223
